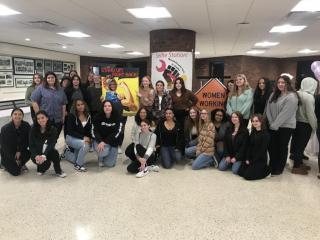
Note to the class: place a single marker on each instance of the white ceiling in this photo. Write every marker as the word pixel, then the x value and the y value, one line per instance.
pixel 215 22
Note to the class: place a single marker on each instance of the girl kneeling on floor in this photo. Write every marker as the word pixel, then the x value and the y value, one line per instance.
pixel 79 134
pixel 235 144
pixel 42 141
pixel 141 152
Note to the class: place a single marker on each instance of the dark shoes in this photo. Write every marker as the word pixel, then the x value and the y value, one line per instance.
pixel 300 170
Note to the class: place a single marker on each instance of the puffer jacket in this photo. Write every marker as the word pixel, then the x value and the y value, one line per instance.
pixel 206 139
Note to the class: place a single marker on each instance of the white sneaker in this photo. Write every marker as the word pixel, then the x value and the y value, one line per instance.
pixel 62 174
pixel 40 173
pixel 142 173
pixel 101 164
pixel 119 150
pixel 154 168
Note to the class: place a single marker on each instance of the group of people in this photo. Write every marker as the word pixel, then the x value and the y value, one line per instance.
pixel 168 126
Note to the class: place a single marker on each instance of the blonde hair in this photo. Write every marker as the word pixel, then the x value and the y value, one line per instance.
pixel 201 122
pixel 236 88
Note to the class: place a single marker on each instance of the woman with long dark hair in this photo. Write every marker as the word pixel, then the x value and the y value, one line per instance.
pixel 182 100
pixel 36 82
pixel 162 101
pixel 79 128
pixel 42 141
pixel 255 165
pixel 261 95
pixel 107 127
pixel 281 113
pixel 235 144
pixel 51 98
pixel 14 141
pixel 219 120
pixel 94 94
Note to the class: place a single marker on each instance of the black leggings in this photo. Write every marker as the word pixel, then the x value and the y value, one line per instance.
pixel 10 164
pixel 134 166
pixel 52 156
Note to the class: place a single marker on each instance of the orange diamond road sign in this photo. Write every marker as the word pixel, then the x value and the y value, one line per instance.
pixel 212 95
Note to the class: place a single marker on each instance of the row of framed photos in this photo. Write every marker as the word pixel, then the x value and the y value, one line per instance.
pixel 26 66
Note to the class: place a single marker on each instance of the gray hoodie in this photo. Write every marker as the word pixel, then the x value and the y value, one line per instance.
pixel 305 112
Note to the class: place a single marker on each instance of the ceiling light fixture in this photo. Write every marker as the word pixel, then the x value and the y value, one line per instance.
pixel 6 11
pixel 266 44
pixel 112 45
pixel 89 52
pixel 307 6
pixel 308 51
pixel 64 47
pixel 28 39
pixel 150 12
pixel 74 34
pixel 135 53
pixel 287 28
pixel 256 51
pixel 196 53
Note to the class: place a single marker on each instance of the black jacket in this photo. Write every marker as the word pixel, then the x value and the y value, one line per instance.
pixel 107 130
pixel 75 128
pixel 236 147
pixel 258 147
pixel 14 140
pixel 179 136
pixel 37 139
pixel 69 92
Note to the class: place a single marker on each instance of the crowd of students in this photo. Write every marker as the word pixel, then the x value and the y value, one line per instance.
pixel 168 126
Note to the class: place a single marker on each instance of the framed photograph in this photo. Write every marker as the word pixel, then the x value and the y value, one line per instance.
pixel 68 66
pixel 5 63
pixel 47 66
pixel 59 75
pixel 38 65
pixel 6 79
pixel 23 81
pixel 56 66
pixel 23 66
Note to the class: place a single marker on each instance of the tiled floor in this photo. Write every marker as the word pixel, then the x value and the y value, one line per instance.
pixel 172 204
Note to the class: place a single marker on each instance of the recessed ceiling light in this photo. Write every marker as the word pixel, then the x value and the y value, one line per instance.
pixel 307 6
pixel 287 28
pixel 307 51
pixel 74 34
pixel 150 12
pixel 256 51
pixel 28 39
pixel 135 53
pixel 5 11
pixel 89 52
pixel 266 44
pixel 196 53
pixel 64 46
pixel 112 45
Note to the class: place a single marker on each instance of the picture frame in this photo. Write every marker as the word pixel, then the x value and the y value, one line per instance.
pixel 68 66
pixel 23 81
pixel 23 66
pixel 39 66
pixel 6 79
pixel 57 66
pixel 5 63
pixel 60 75
pixel 47 66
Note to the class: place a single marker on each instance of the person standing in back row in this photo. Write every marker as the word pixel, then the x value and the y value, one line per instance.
pixel 281 114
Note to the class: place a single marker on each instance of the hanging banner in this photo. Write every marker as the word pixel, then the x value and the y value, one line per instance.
pixel 212 95
pixel 167 66
pixel 127 80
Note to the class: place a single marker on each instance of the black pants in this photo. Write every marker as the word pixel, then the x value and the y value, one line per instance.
pixel 180 115
pixel 300 138
pixel 278 149
pixel 10 164
pixel 52 156
pixel 133 167
pixel 318 136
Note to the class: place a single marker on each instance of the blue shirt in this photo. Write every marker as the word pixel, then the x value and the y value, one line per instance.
pixel 50 100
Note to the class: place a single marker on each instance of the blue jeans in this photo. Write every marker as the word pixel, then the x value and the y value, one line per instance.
pixel 108 156
pixel 80 150
pixel 169 155
pixel 224 165
pixel 190 152
pixel 202 161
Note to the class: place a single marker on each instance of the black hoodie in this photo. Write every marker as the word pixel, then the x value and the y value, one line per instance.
pixel 76 129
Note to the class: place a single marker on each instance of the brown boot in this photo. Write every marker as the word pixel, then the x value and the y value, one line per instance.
pixel 299 170
pixel 306 167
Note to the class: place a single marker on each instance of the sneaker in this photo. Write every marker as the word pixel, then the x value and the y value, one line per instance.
pixel 77 167
pixel 39 173
pixel 62 174
pixel 119 150
pixel 299 170
pixel 83 169
pixel 142 173
pixel 101 164
pixel 306 167
pixel 24 169
pixel 215 162
pixel 154 168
